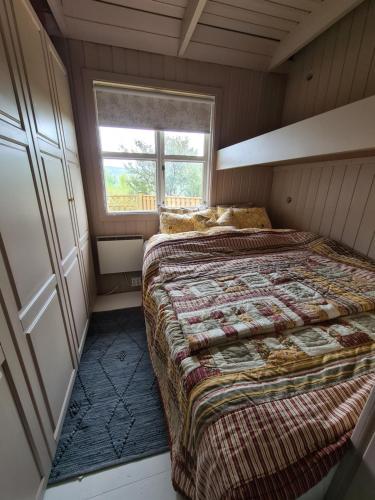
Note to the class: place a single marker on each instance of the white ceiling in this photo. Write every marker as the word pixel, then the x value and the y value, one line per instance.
pixel 256 34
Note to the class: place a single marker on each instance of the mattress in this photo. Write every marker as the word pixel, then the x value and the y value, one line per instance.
pixel 262 342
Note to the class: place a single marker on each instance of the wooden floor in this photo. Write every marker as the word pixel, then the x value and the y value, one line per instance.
pixel 141 480
pixel 145 479
pixel 117 301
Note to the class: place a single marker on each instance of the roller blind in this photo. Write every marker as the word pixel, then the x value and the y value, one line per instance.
pixel 118 107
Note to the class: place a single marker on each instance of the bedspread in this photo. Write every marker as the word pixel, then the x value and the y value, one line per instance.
pixel 263 345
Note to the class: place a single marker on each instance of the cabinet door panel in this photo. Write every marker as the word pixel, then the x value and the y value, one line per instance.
pixel 21 224
pixel 50 347
pixel 8 101
pixel 65 104
pixel 34 58
pixel 89 268
pixel 58 194
pixel 77 299
pixel 79 198
pixel 19 474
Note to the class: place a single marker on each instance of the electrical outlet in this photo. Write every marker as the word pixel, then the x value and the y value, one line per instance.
pixel 136 281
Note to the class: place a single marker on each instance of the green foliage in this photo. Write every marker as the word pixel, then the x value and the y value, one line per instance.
pixel 181 178
pixel 179 146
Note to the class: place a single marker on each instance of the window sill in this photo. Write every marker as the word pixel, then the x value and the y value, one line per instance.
pixel 124 217
pixel 141 212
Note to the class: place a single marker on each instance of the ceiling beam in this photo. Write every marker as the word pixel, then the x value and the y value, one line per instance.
pixel 312 26
pixel 58 13
pixel 193 12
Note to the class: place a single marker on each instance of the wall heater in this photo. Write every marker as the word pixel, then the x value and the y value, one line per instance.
pixel 120 254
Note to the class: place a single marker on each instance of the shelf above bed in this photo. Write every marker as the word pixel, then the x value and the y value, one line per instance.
pixel 345 131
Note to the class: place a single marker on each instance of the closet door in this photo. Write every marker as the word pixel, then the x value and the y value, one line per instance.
pixel 65 103
pixel 34 296
pixel 74 268
pixel 62 210
pixel 83 237
pixel 23 449
pixel 10 113
pixel 20 477
pixel 34 57
pixel 53 152
pixel 44 339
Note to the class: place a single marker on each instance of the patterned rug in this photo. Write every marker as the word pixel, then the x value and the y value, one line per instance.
pixel 115 413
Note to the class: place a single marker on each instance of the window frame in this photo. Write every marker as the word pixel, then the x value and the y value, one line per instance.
pixel 160 159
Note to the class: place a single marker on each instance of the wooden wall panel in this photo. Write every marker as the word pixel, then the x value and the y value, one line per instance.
pixel 245 185
pixel 335 199
pixel 341 63
pixel 251 105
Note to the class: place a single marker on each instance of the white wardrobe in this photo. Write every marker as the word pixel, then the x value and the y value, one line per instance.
pixel 46 277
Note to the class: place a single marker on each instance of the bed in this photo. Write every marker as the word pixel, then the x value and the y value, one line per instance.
pixel 262 342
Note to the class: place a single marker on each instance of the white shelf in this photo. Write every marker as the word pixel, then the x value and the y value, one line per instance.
pixel 348 130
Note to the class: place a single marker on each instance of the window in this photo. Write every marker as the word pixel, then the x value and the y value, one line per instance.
pixel 134 160
pixel 147 167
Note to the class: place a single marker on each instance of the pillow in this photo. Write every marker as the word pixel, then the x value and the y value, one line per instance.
pixel 251 217
pixel 180 223
pixel 209 212
pixel 175 223
pixel 210 215
pixel 226 218
pixel 179 210
pixel 222 208
pixel 201 222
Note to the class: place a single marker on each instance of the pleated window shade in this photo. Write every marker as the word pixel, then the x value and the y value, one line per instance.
pixel 125 108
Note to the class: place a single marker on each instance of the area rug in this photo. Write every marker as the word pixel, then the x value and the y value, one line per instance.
pixel 115 414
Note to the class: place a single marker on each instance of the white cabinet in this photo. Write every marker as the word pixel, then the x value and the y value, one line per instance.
pixel 45 256
pixel 14 445
pixel 31 35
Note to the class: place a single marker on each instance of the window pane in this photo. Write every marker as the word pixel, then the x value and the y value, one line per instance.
pixel 184 143
pixel 127 140
pixel 183 184
pixel 130 185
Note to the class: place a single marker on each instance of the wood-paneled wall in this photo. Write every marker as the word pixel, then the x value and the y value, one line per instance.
pixel 335 199
pixel 251 105
pixel 335 69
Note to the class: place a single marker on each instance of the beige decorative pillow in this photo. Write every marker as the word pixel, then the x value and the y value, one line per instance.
pixel 226 218
pixel 222 208
pixel 209 212
pixel 251 217
pixel 196 221
pixel 201 222
pixel 176 223
pixel 241 218
pixel 179 210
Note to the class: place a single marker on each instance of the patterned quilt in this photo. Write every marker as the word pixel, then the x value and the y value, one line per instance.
pixel 263 345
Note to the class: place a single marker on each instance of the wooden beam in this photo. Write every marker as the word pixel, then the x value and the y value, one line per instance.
pixel 348 130
pixel 58 13
pixel 193 12
pixel 312 26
